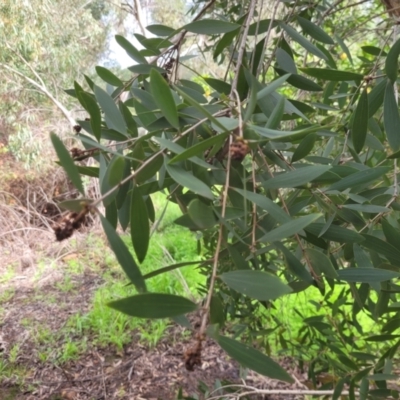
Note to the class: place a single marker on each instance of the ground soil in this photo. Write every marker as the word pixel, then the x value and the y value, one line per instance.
pixel 136 372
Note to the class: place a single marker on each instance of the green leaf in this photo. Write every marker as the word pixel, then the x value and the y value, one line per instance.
pixel 343 46
pixel 368 208
pixel 332 74
pixel 335 233
pixel 176 148
pixel 289 228
pixel 115 171
pixel 376 96
pixel 145 69
pixel 256 284
pixel 201 214
pixel 304 147
pixel 284 136
pixel 276 84
pixel 160 30
pixel 392 253
pixel 150 169
pixel 392 62
pixel 285 61
pixel 94 111
pixel 321 263
pixel 186 179
pixel 108 76
pixel 113 116
pixel 266 204
pixel 360 122
pixel 123 255
pixel 302 41
pixel 76 205
pixel 130 49
pixel 315 31
pixel 296 178
pixel 163 97
pixel 374 51
pixel 358 178
pixel 294 264
pixel 217 313
pixel 210 27
pixel 153 305
pixel 67 162
pixel 201 108
pixel 172 267
pixel 200 147
pixel 140 227
pixel 366 275
pixel 391 117
pixel 253 359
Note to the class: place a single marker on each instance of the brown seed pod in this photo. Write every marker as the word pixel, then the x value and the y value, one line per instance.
pixel 69 223
pixel 238 149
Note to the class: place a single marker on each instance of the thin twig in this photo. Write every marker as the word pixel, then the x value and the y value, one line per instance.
pixel 242 46
pixel 206 308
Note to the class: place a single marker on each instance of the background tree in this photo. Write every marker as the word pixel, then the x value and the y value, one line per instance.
pixel 286 168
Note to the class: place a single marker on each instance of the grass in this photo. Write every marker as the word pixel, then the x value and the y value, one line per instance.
pixel 103 326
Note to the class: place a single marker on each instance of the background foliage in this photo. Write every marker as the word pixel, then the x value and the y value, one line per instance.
pixel 285 166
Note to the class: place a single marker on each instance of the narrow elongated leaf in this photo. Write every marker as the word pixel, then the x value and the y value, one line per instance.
pixel 296 178
pixel 140 227
pixel 153 305
pixel 304 147
pixel 392 62
pixel 332 74
pixel 302 41
pixel 145 69
pixel 289 228
pixel 256 284
pixel 276 84
pixel 116 171
pixel 360 122
pixel 94 111
pixel 186 179
pixel 108 76
pixel 294 265
pixel 284 136
pixel 376 96
pixel 123 255
pixel 130 49
pixel 172 267
pixel 391 117
pixel 253 359
pixel 315 31
pixel 381 247
pixel 321 263
pixel 211 27
pixel 160 30
pixel 285 61
pixel 368 208
pixel 201 108
pixel 335 233
pixel 200 147
pixel 201 214
pixel 67 162
pixel 266 204
pixel 113 116
pixel 358 178
pixel 75 205
pixel 163 97
pixel 176 148
pixel 366 275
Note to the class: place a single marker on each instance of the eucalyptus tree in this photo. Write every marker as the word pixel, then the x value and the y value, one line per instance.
pixel 285 167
